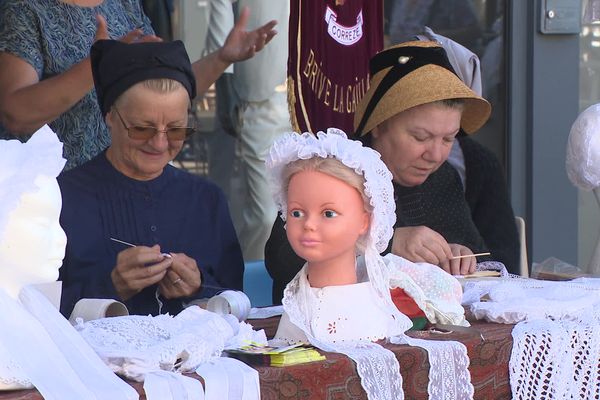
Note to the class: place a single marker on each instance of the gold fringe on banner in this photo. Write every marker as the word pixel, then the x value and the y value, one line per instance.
pixel 291 100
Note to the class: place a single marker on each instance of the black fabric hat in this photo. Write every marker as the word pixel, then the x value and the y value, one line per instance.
pixel 117 66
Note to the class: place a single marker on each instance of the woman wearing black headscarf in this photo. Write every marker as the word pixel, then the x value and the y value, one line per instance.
pixel 185 246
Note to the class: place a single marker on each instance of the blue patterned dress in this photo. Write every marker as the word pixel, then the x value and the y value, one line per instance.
pixel 52 37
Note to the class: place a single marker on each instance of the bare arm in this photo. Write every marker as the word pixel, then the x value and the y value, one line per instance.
pixel 26 103
pixel 239 46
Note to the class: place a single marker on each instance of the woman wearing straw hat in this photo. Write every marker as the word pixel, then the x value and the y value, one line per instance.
pixel 411 114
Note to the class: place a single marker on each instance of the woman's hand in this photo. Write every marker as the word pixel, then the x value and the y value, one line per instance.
pixel 137 268
pixel 459 266
pixel 420 244
pixel 240 44
pixel 135 35
pixel 182 279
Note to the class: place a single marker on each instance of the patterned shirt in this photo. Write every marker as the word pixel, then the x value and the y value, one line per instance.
pixel 53 36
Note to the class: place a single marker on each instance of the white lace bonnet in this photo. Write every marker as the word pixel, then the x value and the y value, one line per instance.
pixel 583 149
pixel 21 163
pixel 365 161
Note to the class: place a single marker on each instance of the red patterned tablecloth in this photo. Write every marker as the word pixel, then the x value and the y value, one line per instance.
pixel 336 378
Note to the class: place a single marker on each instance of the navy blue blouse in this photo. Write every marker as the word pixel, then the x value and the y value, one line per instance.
pixel 181 212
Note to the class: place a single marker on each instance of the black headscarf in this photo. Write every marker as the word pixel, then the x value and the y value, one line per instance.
pixel 117 66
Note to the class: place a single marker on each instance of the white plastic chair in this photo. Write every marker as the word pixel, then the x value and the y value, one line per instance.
pixel 524 266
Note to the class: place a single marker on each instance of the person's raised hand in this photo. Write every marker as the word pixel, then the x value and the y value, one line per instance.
pixel 459 266
pixel 420 244
pixel 182 279
pixel 240 44
pixel 137 268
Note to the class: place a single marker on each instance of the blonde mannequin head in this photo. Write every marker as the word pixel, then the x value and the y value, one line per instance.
pixel 334 168
pixel 32 243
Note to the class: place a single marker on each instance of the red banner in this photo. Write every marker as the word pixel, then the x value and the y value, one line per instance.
pixel 330 45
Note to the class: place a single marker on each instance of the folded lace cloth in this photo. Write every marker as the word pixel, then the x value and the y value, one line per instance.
pixel 135 345
pixel 514 300
pixel 39 347
pixel 556 342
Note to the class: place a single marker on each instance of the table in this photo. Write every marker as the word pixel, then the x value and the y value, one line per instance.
pixel 336 377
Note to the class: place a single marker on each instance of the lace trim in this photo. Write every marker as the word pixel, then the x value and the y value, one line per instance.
pixel 556 360
pixel 449 377
pixel 377 367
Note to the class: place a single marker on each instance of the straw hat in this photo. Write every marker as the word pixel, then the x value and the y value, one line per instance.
pixel 411 74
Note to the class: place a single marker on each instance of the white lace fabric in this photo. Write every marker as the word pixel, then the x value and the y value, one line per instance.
pixel 436 292
pixel 583 149
pixel 556 340
pixel 136 345
pixel 556 359
pixel 513 300
pixel 49 353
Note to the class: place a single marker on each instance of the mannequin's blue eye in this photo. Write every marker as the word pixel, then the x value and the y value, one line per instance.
pixel 330 214
pixel 296 213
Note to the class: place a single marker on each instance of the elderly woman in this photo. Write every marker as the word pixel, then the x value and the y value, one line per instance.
pixel 411 114
pixel 174 238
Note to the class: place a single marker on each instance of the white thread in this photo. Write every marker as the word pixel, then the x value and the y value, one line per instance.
pixel 230 302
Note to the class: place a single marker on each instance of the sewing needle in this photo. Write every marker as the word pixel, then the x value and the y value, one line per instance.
pixel 470 255
pixel 123 242
pixel 165 255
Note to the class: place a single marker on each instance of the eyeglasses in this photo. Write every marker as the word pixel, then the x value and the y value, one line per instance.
pixel 148 132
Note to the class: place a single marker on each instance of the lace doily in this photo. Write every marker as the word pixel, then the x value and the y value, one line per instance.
pixel 514 300
pixel 556 342
pixel 135 345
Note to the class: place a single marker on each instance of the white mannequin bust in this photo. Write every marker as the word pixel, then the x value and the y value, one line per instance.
pixel 38 346
pixel 31 251
pixel 33 244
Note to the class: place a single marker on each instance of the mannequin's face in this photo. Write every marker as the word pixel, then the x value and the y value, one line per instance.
pixel 33 245
pixel 326 216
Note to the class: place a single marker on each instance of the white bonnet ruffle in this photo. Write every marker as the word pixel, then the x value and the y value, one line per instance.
pixel 365 161
pixel 583 149
pixel 21 163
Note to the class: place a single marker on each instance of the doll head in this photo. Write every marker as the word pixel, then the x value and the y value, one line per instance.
pixel 32 243
pixel 334 155
pixel 328 212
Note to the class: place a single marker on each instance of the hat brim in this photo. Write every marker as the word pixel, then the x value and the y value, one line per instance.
pixel 424 85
